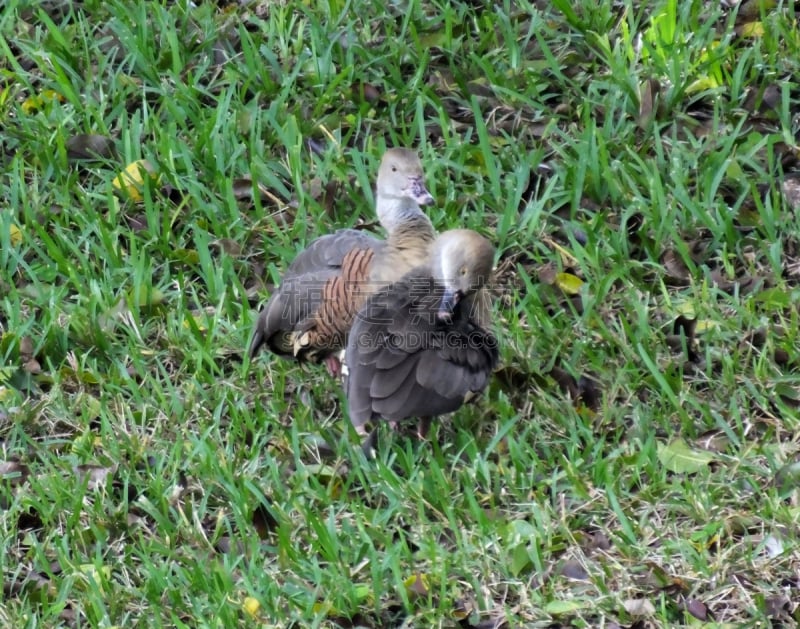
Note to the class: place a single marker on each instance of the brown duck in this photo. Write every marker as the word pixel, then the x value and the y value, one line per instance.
pixel 420 347
pixel 309 316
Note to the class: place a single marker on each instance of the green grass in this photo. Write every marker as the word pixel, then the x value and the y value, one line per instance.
pixel 619 468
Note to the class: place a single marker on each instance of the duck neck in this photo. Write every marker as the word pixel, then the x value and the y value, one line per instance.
pixel 400 214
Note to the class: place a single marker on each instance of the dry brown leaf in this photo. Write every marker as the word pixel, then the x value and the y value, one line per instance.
pixel 96 475
pixel 417 585
pixel 696 608
pixel 25 347
pixel 13 472
pixel 243 191
pixel 674 266
pixel 713 440
pixel 228 246
pixel 777 606
pixel 597 540
pixel 325 194
pixel 751 10
pixel 648 96
pixel 89 146
pixel 639 607
pixel 264 521
pixel 574 569
pixel 547 273
pixel 366 92
pixel 762 99
pixel 791 192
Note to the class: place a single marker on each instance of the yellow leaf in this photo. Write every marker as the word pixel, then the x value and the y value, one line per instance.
pixel 569 283
pixel 417 585
pixel 702 84
pixel 323 608
pixel 199 321
pixel 95 574
pixel 52 95
pixel 15 235
pixel 31 105
pixel 462 609
pixel 251 606
pixel 34 103
pixel 704 325
pixel 146 296
pixel 131 180
pixel 752 29
pixel 707 543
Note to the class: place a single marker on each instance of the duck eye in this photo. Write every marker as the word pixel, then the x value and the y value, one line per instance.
pixel 394 169
pixel 463 270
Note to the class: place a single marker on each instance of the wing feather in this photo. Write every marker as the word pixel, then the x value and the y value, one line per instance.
pixel 403 363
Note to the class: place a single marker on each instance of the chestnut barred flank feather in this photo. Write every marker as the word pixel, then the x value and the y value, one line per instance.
pixel 309 316
pixel 420 347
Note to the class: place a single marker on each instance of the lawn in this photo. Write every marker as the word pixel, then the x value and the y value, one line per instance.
pixel 635 461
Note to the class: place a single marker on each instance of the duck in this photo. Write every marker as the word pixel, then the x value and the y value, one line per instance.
pixel 309 316
pixel 422 347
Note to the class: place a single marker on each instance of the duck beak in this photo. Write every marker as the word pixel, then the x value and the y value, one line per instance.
pixel 419 192
pixel 448 304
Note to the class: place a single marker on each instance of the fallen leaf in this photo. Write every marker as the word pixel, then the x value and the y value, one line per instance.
pixel 146 297
pixel 186 256
pixel 244 187
pixel 648 95
pixel 773 546
pixel 228 246
pixel 573 569
pixel 751 29
pixel 251 606
pixel 89 146
pixel 130 182
pixel 264 521
pixel 26 347
pixel 678 457
pixel 34 103
pixel 97 575
pixel 95 475
pixel 639 607
pixel 569 283
pixel 562 607
pixel 417 585
pixel 463 608
pixel 791 191
pixel 696 608
pixel 366 92
pixel 676 269
pixel 15 235
pixel 777 606
pixel 714 441
pixel 547 274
